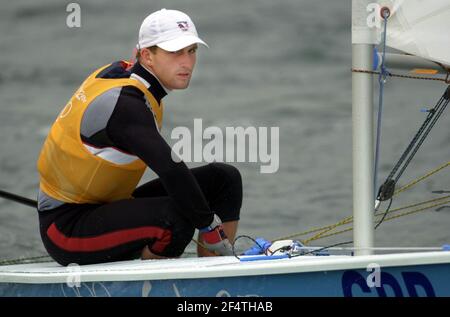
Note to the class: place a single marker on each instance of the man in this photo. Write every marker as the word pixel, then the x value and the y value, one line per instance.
pixel 90 210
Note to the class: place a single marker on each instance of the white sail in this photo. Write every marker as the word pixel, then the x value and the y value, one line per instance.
pixel 420 27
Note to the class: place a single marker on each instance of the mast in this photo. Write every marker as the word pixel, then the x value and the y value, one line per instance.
pixel 363 40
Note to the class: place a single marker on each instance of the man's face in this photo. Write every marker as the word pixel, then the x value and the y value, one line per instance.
pixel 173 69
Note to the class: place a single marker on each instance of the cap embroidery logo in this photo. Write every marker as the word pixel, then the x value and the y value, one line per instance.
pixel 183 25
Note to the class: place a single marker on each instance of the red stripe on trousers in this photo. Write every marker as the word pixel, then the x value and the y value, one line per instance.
pixel 110 240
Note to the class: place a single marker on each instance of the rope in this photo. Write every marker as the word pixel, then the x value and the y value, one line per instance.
pixel 350 220
pixel 372 72
pixel 346 220
pixel 415 205
pixel 381 81
pixel 422 133
pixel 386 219
pixel 386 190
pixel 322 233
pixel 418 210
pixel 411 184
pixel 34 259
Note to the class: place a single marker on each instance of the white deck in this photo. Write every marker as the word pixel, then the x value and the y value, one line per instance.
pixel 189 268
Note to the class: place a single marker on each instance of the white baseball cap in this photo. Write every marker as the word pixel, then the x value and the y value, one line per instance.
pixel 171 30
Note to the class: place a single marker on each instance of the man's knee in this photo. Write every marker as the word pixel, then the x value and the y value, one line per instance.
pixel 231 174
pixel 229 205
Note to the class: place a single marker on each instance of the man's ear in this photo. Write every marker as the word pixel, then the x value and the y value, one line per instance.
pixel 147 56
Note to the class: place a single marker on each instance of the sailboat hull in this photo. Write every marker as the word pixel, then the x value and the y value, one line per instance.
pixel 421 274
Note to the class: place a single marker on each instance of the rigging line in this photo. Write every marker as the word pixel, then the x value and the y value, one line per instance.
pixel 407 213
pixel 343 222
pixel 414 182
pixel 381 81
pixel 416 205
pixel 372 72
pixel 24 260
pixel 323 248
pixel 386 219
pixel 433 122
pixel 328 229
pixel 424 127
pixel 414 140
pixel 349 219
pixel 387 189
pixel 247 237
pixel 384 214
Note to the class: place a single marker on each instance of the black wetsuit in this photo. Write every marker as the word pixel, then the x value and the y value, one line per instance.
pixel 164 212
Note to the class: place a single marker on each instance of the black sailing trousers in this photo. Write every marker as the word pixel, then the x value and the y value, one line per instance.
pixel 98 233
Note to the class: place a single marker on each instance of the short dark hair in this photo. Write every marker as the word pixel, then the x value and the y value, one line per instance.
pixel 151 48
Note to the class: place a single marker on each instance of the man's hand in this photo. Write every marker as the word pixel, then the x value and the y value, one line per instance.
pixel 215 239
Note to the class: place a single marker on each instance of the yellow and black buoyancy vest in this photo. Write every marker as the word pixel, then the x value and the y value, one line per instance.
pixel 68 171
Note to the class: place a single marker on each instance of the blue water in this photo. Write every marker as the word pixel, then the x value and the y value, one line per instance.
pixel 284 64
